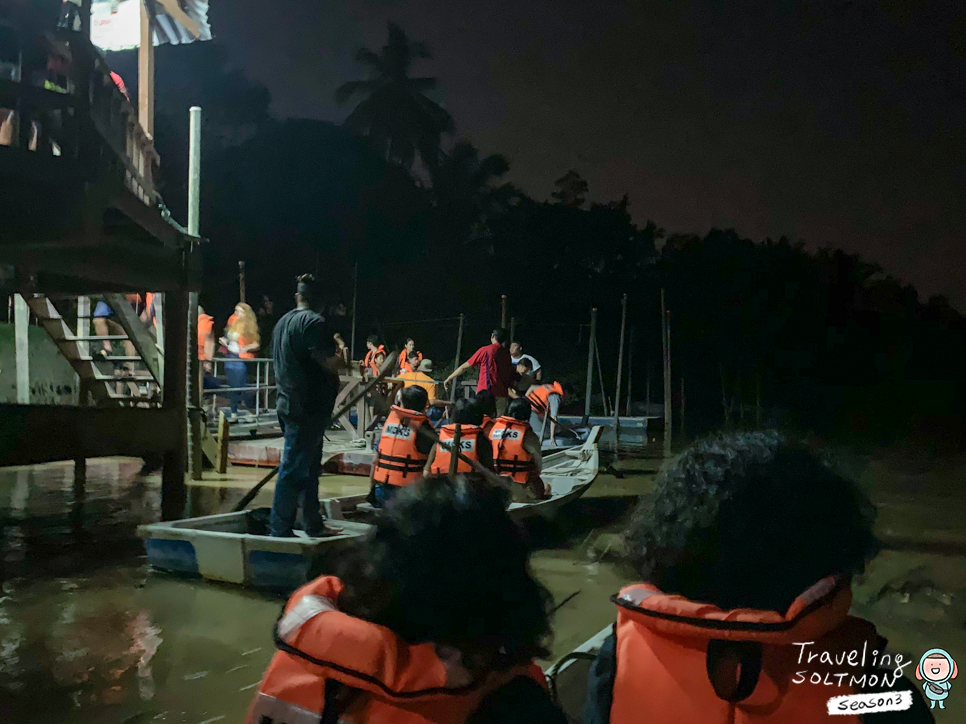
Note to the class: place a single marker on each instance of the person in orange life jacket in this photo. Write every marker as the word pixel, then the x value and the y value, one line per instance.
pixel 746 552
pixel 473 442
pixel 403 449
pixel 433 618
pixel 487 404
pixel 516 452
pixel 404 362
pixel 374 357
pixel 543 398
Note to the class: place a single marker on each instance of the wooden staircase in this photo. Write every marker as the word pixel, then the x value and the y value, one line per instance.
pixel 113 379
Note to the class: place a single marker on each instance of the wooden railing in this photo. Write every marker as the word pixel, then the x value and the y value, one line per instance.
pixel 57 97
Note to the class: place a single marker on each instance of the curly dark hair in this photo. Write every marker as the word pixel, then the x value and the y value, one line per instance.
pixel 749 520
pixel 446 564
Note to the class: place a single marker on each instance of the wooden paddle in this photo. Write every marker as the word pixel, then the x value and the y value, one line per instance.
pixel 383 373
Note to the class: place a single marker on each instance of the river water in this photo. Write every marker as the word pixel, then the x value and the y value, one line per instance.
pixel 88 633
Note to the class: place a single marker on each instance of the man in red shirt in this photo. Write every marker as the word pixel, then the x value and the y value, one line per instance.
pixel 496 369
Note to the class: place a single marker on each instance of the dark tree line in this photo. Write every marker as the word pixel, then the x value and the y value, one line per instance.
pixel 760 329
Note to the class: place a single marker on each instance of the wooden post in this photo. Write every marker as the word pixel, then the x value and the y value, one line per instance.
pixel 456 363
pixel 241 282
pixel 758 398
pixel 355 300
pixel 173 492
pixel 666 348
pixel 21 316
pixel 590 361
pixel 453 456
pixel 513 327
pixel 630 372
pixel 600 375
pixel 647 386
pixel 620 370
pixel 223 439
pixel 503 311
pixel 681 424
pixel 83 330
pixel 195 455
pixel 146 73
pixel 80 492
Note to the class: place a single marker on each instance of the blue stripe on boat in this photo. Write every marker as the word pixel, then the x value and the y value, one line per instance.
pixel 172 555
pixel 269 569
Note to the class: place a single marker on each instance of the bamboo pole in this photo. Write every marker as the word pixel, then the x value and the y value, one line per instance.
pixel 195 462
pixel 666 348
pixel 590 362
pixel 355 300
pixel 456 363
pixel 620 370
pixel 630 372
pixel 453 457
pixel 503 311
pixel 241 281
pixel 513 327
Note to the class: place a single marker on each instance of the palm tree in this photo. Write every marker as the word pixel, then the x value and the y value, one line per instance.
pixel 466 195
pixel 395 114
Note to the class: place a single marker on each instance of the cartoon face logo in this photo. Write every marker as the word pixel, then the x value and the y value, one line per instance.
pixel 936 669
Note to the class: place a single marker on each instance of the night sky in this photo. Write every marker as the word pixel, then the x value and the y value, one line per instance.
pixel 839 123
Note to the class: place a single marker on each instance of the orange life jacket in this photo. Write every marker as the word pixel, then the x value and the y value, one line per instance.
pixel 388 680
pixel 370 359
pixel 679 661
pixel 398 460
pixel 509 457
pixel 469 434
pixel 404 363
pixel 539 396
pixel 206 326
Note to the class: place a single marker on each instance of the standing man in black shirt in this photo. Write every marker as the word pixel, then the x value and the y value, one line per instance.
pixel 307 376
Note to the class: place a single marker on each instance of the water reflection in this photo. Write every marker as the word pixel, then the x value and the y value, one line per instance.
pixel 89 634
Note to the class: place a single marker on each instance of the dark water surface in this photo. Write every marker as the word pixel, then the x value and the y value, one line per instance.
pixel 88 633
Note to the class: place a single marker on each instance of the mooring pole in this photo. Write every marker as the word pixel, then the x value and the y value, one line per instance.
pixel 21 322
pixel 355 300
pixel 456 362
pixel 590 362
pixel 195 462
pixel 173 491
pixel 503 311
pixel 241 282
pixel 600 375
pixel 620 369
pixel 513 327
pixel 666 348
pixel 630 371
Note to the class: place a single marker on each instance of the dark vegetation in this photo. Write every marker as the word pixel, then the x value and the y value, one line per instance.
pixel 824 340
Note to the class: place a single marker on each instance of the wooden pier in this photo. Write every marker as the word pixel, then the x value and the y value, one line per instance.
pixel 80 217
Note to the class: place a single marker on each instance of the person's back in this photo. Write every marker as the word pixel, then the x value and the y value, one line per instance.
pixel 516 450
pixel 304 387
pixel 745 553
pixel 474 444
pixel 433 618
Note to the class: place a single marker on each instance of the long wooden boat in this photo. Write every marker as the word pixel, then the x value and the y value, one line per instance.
pixel 225 548
pixel 568 675
pixel 568 473
pixel 233 547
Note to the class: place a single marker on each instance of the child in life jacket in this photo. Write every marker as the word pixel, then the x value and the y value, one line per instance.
pixel 434 617
pixel 516 452
pixel 746 553
pixel 403 448
pixel 473 442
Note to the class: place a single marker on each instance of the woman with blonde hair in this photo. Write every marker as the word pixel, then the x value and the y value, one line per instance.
pixel 241 341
